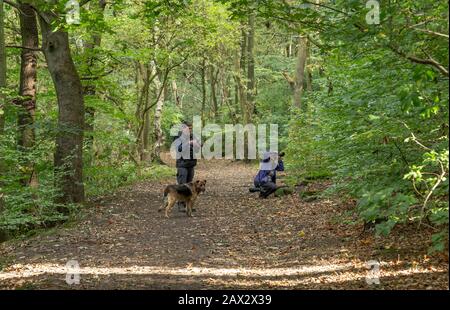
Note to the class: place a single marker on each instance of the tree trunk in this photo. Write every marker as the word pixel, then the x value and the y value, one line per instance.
pixel 143 115
pixel 213 82
pixel 27 91
pixel 242 73
pixel 145 157
pixel 2 85
pixel 158 118
pixel 300 71
pixel 309 78
pixel 203 72
pixel 224 82
pixel 176 97
pixel 2 67
pixel 69 92
pixel 89 88
pixel 289 50
pixel 226 96
pixel 251 89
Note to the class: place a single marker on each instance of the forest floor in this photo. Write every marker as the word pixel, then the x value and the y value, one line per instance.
pixel 235 240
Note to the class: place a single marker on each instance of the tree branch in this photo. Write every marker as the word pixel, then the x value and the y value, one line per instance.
pixel 432 32
pixel 430 61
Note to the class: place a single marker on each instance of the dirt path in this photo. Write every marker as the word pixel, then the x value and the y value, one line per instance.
pixel 235 240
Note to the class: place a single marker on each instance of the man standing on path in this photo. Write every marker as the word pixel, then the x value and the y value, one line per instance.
pixel 185 146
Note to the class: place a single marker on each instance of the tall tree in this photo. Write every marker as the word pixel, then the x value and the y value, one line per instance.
pixel 69 92
pixel 2 85
pixel 2 64
pixel 27 89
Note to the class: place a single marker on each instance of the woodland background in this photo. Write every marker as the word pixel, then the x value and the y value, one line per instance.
pixel 86 108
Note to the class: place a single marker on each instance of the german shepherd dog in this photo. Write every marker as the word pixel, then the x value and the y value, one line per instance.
pixel 184 193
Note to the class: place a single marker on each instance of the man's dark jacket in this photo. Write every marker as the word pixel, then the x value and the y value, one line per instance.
pixel 186 162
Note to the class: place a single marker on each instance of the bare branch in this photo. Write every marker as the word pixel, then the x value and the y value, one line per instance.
pixel 432 32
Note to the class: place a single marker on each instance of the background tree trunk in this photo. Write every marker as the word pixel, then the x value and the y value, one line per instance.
pixel 89 88
pixel 242 73
pixel 251 89
pixel 2 84
pixel 203 73
pixel 175 95
pixel 213 82
pixel 309 78
pixel 146 132
pixel 237 79
pixel 2 66
pixel 300 71
pixel 143 115
pixel 27 90
pixel 158 118
pixel 69 92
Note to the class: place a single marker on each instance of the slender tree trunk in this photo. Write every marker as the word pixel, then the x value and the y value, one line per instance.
pixel 144 118
pixel 224 83
pixel 89 88
pixel 145 157
pixel 300 71
pixel 251 84
pixel 330 86
pixel 175 95
pixel 158 118
pixel 69 92
pixel 203 73
pixel 226 95
pixel 289 52
pixel 213 82
pixel 309 78
pixel 138 82
pixel 27 91
pixel 242 73
pixel 237 78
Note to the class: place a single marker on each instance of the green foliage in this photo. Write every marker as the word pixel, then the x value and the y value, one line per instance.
pixel 383 136
pixel 105 179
